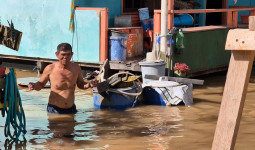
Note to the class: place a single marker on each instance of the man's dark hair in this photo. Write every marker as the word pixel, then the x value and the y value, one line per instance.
pixel 64 47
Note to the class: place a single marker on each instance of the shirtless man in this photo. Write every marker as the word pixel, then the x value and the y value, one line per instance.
pixel 63 76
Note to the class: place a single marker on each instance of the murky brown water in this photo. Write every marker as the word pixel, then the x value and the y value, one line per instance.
pixel 144 127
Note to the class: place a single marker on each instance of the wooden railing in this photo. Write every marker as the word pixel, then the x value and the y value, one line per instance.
pixel 232 16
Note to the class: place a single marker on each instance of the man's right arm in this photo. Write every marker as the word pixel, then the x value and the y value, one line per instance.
pixel 43 80
pixel 35 86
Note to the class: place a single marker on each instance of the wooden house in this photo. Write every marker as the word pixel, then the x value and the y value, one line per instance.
pixel 45 24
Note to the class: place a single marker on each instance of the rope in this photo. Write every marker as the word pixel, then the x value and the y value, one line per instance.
pixel 15 119
pixel 139 85
pixel 71 23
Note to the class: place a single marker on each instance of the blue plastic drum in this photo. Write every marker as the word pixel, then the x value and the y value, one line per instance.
pixel 118 47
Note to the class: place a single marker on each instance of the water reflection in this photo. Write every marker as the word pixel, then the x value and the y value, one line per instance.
pixel 67 131
pixel 62 126
pixel 150 127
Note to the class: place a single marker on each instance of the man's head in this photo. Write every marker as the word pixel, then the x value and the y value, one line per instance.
pixel 64 53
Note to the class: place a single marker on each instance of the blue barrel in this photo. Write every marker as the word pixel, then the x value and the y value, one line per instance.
pixel 146 24
pixel 118 47
pixel 144 13
pixel 183 20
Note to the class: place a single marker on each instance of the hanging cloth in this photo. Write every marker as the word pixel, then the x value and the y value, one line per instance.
pixel 71 24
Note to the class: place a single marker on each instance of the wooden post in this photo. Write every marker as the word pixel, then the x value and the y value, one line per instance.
pixel 235 19
pixel 164 18
pixel 230 19
pixel 157 21
pixel 104 35
pixel 170 15
pixel 241 42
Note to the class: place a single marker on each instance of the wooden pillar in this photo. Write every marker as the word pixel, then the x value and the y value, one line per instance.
pixel 157 23
pixel 224 14
pixel 240 41
pixel 104 35
pixel 164 25
pixel 235 19
pixel 170 14
pixel 230 19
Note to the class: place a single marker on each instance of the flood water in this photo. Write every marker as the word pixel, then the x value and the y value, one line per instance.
pixel 143 127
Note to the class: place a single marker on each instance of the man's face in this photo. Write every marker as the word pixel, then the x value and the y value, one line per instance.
pixel 64 57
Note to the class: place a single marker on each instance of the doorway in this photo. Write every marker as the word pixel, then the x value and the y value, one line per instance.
pixel 214 18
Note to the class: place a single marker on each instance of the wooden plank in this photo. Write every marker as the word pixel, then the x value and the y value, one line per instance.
pixel 176 79
pixel 83 64
pixel 240 39
pixel 206 10
pixel 241 6
pixel 235 18
pixel 203 28
pixel 233 100
pixel 230 19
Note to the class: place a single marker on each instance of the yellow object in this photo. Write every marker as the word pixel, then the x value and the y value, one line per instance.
pixel 132 78
pixel 180 74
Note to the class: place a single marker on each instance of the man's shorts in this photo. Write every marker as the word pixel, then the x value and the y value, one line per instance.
pixel 56 110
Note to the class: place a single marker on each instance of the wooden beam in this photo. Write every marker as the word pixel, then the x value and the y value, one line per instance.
pixel 234 95
pixel 206 10
pixel 176 79
pixel 233 100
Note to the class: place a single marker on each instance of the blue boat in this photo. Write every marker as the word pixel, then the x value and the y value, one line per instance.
pixel 113 99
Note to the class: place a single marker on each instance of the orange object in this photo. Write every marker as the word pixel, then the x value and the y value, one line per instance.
pixel 132 45
pixel 134 41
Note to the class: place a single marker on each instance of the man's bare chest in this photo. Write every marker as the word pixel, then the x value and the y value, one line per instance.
pixel 63 79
